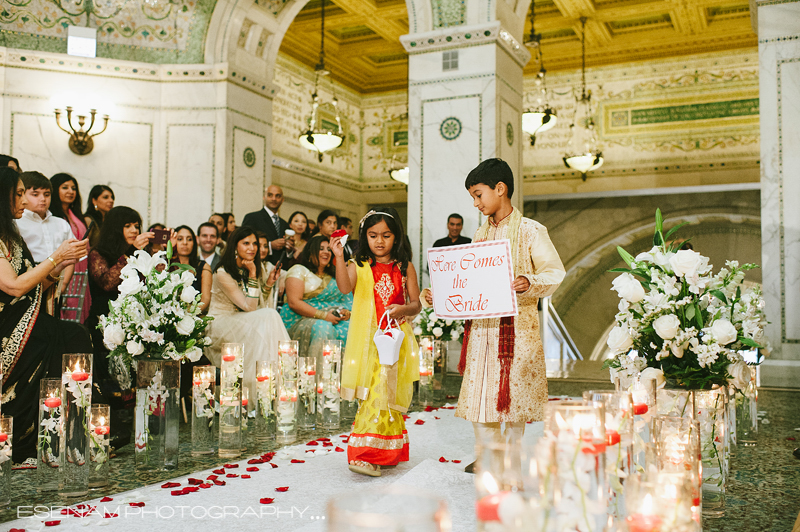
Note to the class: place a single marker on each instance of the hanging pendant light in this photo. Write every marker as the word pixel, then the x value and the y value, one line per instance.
pixel 315 138
pixel 582 153
pixel 540 117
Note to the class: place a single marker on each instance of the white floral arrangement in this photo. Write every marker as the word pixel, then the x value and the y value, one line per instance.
pixel 157 312
pixel 682 320
pixel 427 323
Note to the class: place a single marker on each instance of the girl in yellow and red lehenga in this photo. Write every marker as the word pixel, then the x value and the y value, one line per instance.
pixel 383 279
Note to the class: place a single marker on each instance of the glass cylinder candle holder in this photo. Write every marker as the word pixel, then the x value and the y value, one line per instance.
pixel 747 413
pixel 657 503
pixel 538 478
pixel 644 394
pixel 307 392
pixel 203 388
pixel 245 416
pixel 230 401
pixel 439 364
pixel 679 453
pixel 580 442
pixel 100 438
pixel 6 434
pixel 619 444
pixel 328 388
pixel 157 414
pixel 426 371
pixel 266 389
pixel 388 509
pixel 76 391
pixel 498 485
pixel 49 436
pixel 675 402
pixel 287 391
pixel 711 409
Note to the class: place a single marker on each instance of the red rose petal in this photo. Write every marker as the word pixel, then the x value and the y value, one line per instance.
pixel 231 475
pixel 204 486
pixel 255 461
pixel 274 466
pixel 442 459
pixel 456 461
pixel 266 500
pixel 434 417
pixel 178 492
pixel 108 515
pixel 405 417
pixel 106 499
pixel 251 469
pixel 327 444
pixel 17 530
pixel 419 422
pixel 67 511
pixel 313 442
pixel 212 477
pixel 170 485
pixel 295 461
pixel 268 456
pixel 195 481
pixel 136 504
pixel 219 471
pixel 284 488
pixel 231 466
pixel 323 439
pixel 219 482
pixel 448 408
pixel 245 476
pixel 339 450
pixel 80 506
pixel 52 523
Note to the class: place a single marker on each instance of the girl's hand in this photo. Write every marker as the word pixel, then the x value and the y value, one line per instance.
pixel 143 239
pixel 250 266
pixel 273 276
pixel 521 284
pixel 336 247
pixel 395 311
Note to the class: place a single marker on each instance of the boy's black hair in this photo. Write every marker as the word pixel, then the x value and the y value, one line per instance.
pixel 401 251
pixel 35 180
pixel 491 172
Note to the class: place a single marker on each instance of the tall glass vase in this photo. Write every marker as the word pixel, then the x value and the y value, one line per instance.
pixel 100 438
pixel 203 385
pixel 245 416
pixel 287 391
pixel 426 376
pixel 49 437
pixel 76 390
pixel 230 401
pixel 6 436
pixel 711 409
pixel 644 395
pixel 266 388
pixel 678 440
pixel 157 414
pixel 439 364
pixel 747 413
pixel 307 392
pixel 328 393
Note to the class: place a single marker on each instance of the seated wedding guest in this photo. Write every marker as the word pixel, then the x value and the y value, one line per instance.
pixel 269 297
pixel 101 200
pixel 9 161
pixel 230 223
pixel 315 310
pixel 327 222
pixel 33 341
pixel 119 238
pixel 455 223
pixel 66 204
pixel 219 220
pixel 235 295
pixel 154 247
pixel 43 232
pixel 312 228
pixel 207 241
pixel 351 246
pixel 298 222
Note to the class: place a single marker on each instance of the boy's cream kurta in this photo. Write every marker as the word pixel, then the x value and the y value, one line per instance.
pixel 477 402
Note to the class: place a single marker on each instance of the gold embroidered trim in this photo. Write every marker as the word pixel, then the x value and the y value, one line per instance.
pixel 378 443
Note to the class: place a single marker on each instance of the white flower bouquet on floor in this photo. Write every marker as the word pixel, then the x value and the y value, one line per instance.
pixel 681 319
pixel 427 323
pixel 156 315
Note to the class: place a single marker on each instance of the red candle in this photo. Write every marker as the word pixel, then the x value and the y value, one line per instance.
pixel 612 437
pixel 311 372
pixel 319 389
pixel 244 402
pixel 79 376
pixel 644 523
pixel 3 437
pixel 262 378
pixel 424 373
pixel 228 358
pixel 486 509
pixel 640 409
pixel 52 402
pixel 102 430
pixel 198 383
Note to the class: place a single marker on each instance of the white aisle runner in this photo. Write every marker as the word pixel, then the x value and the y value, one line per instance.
pixel 322 474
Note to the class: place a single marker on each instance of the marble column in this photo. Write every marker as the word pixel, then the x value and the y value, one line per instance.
pixel 465 104
pixel 779 73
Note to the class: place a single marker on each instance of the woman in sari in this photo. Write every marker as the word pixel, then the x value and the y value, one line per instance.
pixel 315 310
pixel 66 204
pixel 33 341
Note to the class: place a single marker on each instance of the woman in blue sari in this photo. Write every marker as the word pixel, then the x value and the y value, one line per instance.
pixel 315 310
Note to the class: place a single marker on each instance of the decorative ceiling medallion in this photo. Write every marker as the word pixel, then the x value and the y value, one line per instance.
pixel 249 157
pixel 510 134
pixel 450 128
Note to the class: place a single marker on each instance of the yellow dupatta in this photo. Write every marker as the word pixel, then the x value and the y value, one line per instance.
pixel 361 355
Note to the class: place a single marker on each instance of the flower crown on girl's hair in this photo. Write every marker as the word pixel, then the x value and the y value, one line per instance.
pixel 371 213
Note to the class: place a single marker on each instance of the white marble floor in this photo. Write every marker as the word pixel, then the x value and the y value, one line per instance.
pixel 311 484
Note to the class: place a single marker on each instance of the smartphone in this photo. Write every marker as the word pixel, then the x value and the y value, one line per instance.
pixel 161 236
pixel 279 265
pixel 336 313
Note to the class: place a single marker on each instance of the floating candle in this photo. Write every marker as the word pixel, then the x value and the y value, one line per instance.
pixel 3 437
pixel 79 376
pixel 644 523
pixel 262 378
pixel 228 358
pixel 311 372
pixel 102 430
pixel 612 437
pixel 52 402
pixel 640 409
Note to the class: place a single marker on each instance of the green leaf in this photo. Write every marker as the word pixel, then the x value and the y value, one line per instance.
pixel 672 231
pixel 749 342
pixel 719 295
pixel 659 221
pixel 620 270
pixel 169 251
pixel 627 257
pixel 690 312
pixel 698 316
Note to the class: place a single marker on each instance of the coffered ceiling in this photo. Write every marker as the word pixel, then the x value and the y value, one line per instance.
pixel 363 50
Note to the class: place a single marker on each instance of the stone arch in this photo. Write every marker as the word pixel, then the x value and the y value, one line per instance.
pixel 587 304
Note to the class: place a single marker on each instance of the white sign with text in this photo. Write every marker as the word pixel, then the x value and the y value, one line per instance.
pixel 473 280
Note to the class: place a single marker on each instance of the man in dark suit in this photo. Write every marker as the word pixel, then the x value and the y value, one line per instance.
pixel 351 246
pixel 268 222
pixel 455 223
pixel 207 241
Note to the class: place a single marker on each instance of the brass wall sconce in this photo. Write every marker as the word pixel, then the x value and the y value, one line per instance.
pixel 80 141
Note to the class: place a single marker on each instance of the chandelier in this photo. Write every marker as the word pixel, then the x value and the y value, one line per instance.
pixel 316 138
pixel 582 153
pixel 540 117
